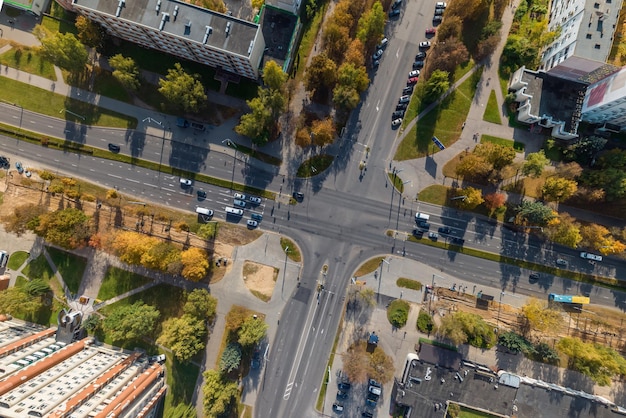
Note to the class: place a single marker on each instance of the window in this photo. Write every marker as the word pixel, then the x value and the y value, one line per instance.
pixel 588 36
pixel 597 46
pixel 596 5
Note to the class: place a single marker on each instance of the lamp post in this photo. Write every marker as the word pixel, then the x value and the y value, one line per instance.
pixel 380 277
pixel 432 289
pixel 234 146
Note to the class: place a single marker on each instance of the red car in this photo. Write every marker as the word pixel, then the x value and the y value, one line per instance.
pixel 411 81
pixel 431 31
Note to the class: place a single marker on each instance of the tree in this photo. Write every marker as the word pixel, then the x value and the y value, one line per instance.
pixel 320 75
pixel 195 264
pixel 231 358
pixel 461 327
pixel 437 84
pixel 611 180
pixel 354 54
pixel 569 171
pixel 24 217
pixel 15 300
pixel 37 287
pixel 425 322
pixel 519 51
pixel 131 246
pixel 92 322
pixel 515 342
pixel 353 76
pixel 473 166
pixel 564 230
pixel 535 213
pixel 486 47
pixel 467 10
pixel 219 394
pixel 353 362
pixel 183 90
pixel 499 156
pixel 236 317
pixel 449 28
pixel 336 41
pixel 184 336
pixel 125 70
pixel 371 26
pixel 89 32
pixel 345 97
pixel 254 124
pixel 558 189
pixel 159 255
pixel 398 313
pixel 276 102
pixel 273 76
pixel 131 322
pixel 252 331
pixel 535 162
pixel 446 56
pixel 538 316
pixel 68 228
pixel 473 197
pixel 599 238
pixel 63 50
pixel 495 200
pixel 200 304
pixel 586 149
pixel 380 365
pixel 323 132
pixel 598 362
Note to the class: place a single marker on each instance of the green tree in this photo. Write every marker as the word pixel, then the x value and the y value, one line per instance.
pixel 499 156
pixel 535 213
pixel 15 301
pixel 200 304
pixel 252 331
pixel 598 362
pixel 254 124
pixel 534 164
pixel 425 322
pixel 461 327
pixel 63 50
pixel 538 316
pixel 159 255
pixel 371 26
pixel 611 180
pixel 558 189
pixel 125 70
pixel 183 90
pixel 519 51
pixel 276 102
pixel 131 322
pixel 564 230
pixel 273 76
pixel 398 313
pixel 231 358
pixel 320 75
pixel 473 197
pixel 37 287
pixel 346 97
pixel 353 76
pixel 587 148
pixel 219 394
pixel 184 336
pixel 89 32
pixel 437 84
pixel 543 352
pixel 515 342
pixel 68 228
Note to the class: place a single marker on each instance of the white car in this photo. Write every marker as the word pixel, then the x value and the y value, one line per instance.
pixel 396 122
pixel 441 5
pixel 404 99
pixel 424 44
pixel 433 235
pixel 185 182
pixel 254 199
pixel 414 73
pixel 252 224
pixel 239 196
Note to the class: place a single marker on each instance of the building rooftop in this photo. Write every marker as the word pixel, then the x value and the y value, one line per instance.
pixel 182 20
pixel 440 356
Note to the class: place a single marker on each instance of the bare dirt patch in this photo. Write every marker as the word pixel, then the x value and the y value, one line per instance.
pixel 260 279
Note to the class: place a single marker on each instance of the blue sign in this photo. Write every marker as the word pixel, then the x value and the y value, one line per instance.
pixel 438 143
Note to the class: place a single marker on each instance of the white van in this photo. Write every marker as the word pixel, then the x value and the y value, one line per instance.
pixel 204 211
pixel 421 217
pixel 234 211
pixel 4 258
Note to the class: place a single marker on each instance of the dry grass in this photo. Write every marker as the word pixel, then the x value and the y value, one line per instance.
pixel 369 266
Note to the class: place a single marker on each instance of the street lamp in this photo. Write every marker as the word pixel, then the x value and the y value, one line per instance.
pixel 234 146
pixel 432 289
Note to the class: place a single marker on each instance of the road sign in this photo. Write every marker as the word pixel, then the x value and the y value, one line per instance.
pixel 438 143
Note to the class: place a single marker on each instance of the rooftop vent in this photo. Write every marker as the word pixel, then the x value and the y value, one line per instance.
pixel 209 30
pixel 165 18
pixel 120 5
pixel 250 47
pixel 188 27
pixel 175 12
pixel 158 6
pixel 228 28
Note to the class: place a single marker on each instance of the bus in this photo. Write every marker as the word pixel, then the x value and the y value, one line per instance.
pixel 580 300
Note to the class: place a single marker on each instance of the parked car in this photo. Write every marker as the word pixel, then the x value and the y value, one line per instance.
pixel 402 106
pixel 383 44
pixel 457 241
pixel 414 73
pixel 4 162
pixel 182 123
pixel 252 224
pixel 407 90
pixel 418 233
pixel 19 168
pixel 412 81
pixel 433 235
pixel 185 182
pixel 367 414
pixel 404 99
pixel 256 216
pixel 371 400
pixel 397 114
pixel 418 64
pixel 240 196
pixel 377 55
pixel 394 13
pixel 396 123
pixel 444 230
pixel 441 5
pixel 198 126
pixel 431 31
pixel 239 203
pixel 590 256
pixel 424 44
pixel 437 20
pixel 396 4
pixel 345 386
pixel 342 395
pixel 439 12
pixel 158 359
pixel 420 56
pixel 114 147
pixel 254 199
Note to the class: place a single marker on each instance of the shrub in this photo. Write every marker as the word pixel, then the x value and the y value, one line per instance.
pixel 398 313
pixel 425 322
pixel 409 283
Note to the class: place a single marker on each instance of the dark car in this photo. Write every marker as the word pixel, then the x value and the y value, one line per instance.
pixel 418 233
pixel 344 386
pixel 397 114
pixel 298 196
pixel 342 395
pixel 457 241
pixel 439 12
pixel 114 148
pixel 420 56
pixel 394 13
pixel 533 277
pixel 401 106
pixel 198 126
pixel 201 194
pixel 256 216
pixel 445 230
pixel 418 64
pixel 423 225
pixel 4 162
pixel 437 19
pixel 407 90
pixel 371 400
pixel 396 4
pixel 367 414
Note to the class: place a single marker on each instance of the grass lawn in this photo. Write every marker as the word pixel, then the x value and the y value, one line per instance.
pixel 64 21
pixel 71 267
pixel 181 379
pixel 397 182
pixel 38 269
pixel 292 249
pixel 17 259
pixel 436 194
pixel 518 146
pixel 311 28
pixel 463 69
pixel 444 122
pixel 492 111
pixel 28 60
pixel 169 300
pixel 117 281
pixel 107 85
pixel 52 104
pixel 315 165
pixel 470 413
pixel 369 266
pixel 409 283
